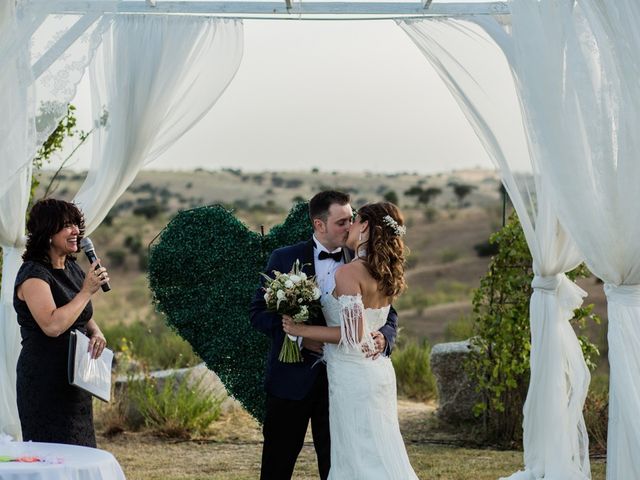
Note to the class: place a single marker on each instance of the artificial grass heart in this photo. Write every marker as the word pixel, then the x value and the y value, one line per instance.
pixel 203 272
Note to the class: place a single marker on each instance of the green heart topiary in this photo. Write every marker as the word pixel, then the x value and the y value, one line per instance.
pixel 203 273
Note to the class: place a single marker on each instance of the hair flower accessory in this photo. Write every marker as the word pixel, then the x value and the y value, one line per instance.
pixel 399 230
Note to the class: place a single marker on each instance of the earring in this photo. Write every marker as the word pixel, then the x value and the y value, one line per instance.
pixel 50 240
pixel 360 237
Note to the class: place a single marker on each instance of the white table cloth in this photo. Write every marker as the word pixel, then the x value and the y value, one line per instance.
pixel 62 462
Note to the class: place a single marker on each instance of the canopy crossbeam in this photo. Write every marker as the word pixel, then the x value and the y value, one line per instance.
pixel 90 10
pixel 285 7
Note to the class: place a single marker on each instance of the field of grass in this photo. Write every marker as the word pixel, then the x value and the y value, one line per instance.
pixel 434 454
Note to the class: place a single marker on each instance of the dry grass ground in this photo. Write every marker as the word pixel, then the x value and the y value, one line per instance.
pixel 234 449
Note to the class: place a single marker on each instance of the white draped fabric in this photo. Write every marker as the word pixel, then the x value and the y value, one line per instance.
pixel 578 67
pixel 26 35
pixel 477 73
pixel 21 132
pixel 16 132
pixel 156 76
pixel 56 86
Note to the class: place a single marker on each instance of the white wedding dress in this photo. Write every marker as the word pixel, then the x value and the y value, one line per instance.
pixel 363 415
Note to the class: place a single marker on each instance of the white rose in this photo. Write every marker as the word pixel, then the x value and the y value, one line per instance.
pixel 316 293
pixel 280 295
pixel 295 278
pixel 303 276
pixel 288 284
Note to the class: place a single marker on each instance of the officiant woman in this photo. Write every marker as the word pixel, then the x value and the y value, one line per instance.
pixel 52 296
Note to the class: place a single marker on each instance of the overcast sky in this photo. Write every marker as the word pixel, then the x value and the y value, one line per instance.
pixel 337 95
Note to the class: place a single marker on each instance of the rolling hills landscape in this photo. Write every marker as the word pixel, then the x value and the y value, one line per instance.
pixel 449 217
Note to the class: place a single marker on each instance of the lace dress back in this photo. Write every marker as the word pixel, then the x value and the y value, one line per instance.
pixel 365 436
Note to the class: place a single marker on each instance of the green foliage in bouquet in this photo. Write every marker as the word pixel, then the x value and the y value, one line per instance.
pixel 499 363
pixel 204 272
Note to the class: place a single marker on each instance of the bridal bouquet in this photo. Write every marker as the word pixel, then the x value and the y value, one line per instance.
pixel 292 294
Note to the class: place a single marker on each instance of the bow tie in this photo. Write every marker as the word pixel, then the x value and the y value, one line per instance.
pixel 336 256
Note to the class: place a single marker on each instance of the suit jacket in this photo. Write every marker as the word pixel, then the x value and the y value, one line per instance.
pixel 294 380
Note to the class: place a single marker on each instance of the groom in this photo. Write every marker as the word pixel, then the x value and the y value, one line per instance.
pixel 298 392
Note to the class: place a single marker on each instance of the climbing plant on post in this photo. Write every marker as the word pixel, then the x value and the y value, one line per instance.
pixel 499 362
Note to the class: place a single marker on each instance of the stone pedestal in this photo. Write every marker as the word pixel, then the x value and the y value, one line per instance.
pixel 456 391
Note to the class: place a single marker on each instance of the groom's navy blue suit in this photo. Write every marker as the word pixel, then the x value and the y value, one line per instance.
pixel 296 392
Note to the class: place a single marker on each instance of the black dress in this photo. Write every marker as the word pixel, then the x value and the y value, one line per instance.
pixel 50 409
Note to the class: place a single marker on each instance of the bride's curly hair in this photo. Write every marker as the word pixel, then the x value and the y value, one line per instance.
pixel 385 247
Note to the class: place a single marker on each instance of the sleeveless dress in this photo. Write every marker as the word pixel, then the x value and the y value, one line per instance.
pixel 50 409
pixel 363 414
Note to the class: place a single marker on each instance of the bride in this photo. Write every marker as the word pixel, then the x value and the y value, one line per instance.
pixel 365 437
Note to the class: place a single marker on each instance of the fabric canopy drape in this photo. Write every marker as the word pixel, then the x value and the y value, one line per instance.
pixel 154 77
pixel 31 110
pixel 27 36
pixel 16 132
pixel 475 70
pixel 577 66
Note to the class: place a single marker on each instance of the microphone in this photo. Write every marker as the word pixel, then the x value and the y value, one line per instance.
pixel 87 247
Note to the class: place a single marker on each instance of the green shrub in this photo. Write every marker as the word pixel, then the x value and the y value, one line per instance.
pixel 485 249
pixel 449 255
pixel 499 362
pixel 148 209
pixel 133 243
pixel 430 214
pixel 461 329
pixel 448 291
pixel 143 261
pixel 111 418
pixel 596 412
pixel 391 196
pixel 139 295
pixel 108 220
pixel 152 343
pixel 461 190
pixel 413 299
pixel 116 257
pixel 177 409
pixel 412 260
pixel 293 183
pixel 413 371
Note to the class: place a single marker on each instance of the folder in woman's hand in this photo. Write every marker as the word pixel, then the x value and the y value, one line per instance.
pixel 87 373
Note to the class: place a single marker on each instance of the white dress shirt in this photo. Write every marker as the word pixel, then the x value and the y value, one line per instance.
pixel 325 269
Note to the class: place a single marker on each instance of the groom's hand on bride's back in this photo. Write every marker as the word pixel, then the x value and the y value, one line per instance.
pixel 312 345
pixel 381 345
